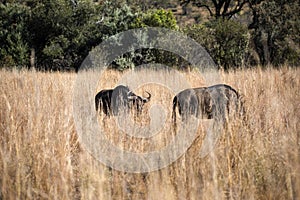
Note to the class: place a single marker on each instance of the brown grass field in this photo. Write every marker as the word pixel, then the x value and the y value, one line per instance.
pixel 42 158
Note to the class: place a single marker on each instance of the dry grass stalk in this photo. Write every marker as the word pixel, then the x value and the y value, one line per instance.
pixel 41 158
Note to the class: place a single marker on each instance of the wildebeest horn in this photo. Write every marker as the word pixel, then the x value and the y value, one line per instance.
pixel 146 99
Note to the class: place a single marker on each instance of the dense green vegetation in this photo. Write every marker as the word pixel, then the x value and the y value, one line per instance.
pixel 58 34
pixel 227 41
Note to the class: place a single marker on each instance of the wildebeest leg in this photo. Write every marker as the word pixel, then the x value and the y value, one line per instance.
pixel 190 107
pixel 206 105
pixel 175 103
pixel 107 108
pixel 97 102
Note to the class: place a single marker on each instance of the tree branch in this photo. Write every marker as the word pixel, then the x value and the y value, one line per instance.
pixel 226 6
pixel 237 9
pixel 184 2
pixel 200 5
pixel 222 8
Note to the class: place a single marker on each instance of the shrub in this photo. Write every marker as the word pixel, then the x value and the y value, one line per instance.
pixel 156 18
pixel 13 35
pixel 61 33
pixel 151 18
pixel 226 40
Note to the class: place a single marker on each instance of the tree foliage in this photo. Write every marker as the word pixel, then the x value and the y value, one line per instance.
pixel 156 18
pixel 14 46
pixel 151 18
pixel 58 34
pixel 62 32
pixel 226 41
pixel 276 28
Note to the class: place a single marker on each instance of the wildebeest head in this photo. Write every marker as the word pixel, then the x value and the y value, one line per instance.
pixel 138 101
pixel 215 102
pixel 120 99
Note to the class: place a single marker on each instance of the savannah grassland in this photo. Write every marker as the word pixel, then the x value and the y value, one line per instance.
pixel 41 157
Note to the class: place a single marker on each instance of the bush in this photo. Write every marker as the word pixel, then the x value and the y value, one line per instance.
pixel 276 32
pixel 225 40
pixel 14 50
pixel 61 33
pixel 156 18
pixel 151 18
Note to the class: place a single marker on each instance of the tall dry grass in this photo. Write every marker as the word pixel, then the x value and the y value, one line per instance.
pixel 41 158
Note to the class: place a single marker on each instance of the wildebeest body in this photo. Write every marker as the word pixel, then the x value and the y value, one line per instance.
pixel 224 100
pixel 214 102
pixel 103 101
pixel 192 102
pixel 117 100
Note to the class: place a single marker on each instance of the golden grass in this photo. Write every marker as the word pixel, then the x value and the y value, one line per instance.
pixel 41 158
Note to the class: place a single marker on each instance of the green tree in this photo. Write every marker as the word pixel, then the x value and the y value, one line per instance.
pixel 275 32
pixel 63 32
pixel 60 33
pixel 153 18
pixel 226 41
pixel 14 47
pixel 75 29
pixel 123 18
pixel 156 18
pixel 116 17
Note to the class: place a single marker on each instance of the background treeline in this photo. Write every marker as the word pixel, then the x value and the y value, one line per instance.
pixel 58 34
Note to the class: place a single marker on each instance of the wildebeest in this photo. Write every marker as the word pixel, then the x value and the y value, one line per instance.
pixel 119 99
pixel 214 102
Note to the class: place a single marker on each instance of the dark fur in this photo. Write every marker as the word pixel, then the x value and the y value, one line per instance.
pixel 113 101
pixel 214 102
